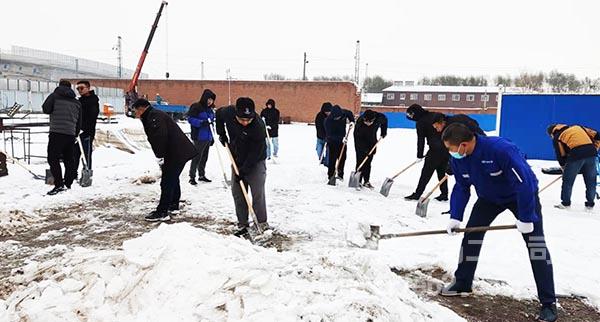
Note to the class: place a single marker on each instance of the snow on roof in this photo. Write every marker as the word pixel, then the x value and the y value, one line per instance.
pixel 443 89
pixel 372 97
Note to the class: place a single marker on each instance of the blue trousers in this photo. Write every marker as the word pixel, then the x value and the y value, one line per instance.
pixel 589 170
pixel 272 147
pixel 320 147
pixel 483 214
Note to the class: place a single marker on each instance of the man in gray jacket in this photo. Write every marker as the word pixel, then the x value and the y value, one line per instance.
pixel 65 123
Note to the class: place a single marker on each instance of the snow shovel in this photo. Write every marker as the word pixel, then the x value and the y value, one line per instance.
pixel 244 191
pixel 337 162
pixel 227 182
pixel 86 173
pixel 17 162
pixel 354 180
pixel 268 138
pixel 387 184
pixel 322 153
pixel 373 236
pixel 550 183
pixel 421 210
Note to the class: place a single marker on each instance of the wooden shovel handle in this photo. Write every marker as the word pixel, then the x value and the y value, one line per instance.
pixel 435 188
pixel 440 232
pixel 337 162
pixel 369 155
pixel 403 170
pixel 550 183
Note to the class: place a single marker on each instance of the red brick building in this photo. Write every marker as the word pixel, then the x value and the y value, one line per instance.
pixel 461 97
pixel 299 100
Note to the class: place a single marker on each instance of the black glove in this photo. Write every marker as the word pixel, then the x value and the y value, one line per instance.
pixel 449 170
pixel 223 139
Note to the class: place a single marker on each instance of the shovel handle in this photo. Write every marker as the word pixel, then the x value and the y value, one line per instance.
pixel 550 183
pixel 337 162
pixel 368 155
pixel 403 170
pixel 440 232
pixel 435 188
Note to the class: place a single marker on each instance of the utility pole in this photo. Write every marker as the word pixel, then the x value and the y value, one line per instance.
pixel 357 64
pixel 229 85
pixel 202 70
pixel 119 50
pixel 366 71
pixel 304 67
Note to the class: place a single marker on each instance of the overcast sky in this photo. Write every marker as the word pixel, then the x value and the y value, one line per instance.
pixel 400 40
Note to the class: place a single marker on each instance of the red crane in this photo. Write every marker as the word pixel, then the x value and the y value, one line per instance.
pixel 131 95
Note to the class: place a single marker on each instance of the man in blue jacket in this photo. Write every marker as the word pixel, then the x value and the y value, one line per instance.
pixel 335 130
pixel 503 181
pixel 201 116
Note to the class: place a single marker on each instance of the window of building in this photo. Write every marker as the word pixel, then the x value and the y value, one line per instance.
pixel 414 97
pixel 390 96
pixel 455 97
pixel 441 97
pixel 470 98
pixel 485 98
pixel 402 97
pixel 427 97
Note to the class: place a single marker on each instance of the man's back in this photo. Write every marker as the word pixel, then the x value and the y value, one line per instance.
pixel 64 110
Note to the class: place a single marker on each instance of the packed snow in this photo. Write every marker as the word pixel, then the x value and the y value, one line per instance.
pixel 176 272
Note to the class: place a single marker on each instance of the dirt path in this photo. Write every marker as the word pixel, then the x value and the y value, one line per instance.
pixel 487 308
pixel 96 224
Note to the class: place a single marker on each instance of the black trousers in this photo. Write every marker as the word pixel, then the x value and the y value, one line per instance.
pixel 61 146
pixel 365 171
pixel 86 143
pixel 170 190
pixel 335 148
pixel 199 162
pixel 434 162
pixel 483 214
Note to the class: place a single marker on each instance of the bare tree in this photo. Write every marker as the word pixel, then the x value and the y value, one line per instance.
pixel 274 76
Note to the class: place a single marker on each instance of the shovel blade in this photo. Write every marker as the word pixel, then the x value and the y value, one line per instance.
pixel 354 181
pixel 421 210
pixel 49 178
pixel 86 178
pixel 386 186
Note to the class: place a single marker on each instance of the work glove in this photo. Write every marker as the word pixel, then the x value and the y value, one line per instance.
pixel 524 227
pixel 345 141
pixel 419 160
pixel 160 161
pixel 452 225
pixel 223 139
pixel 449 170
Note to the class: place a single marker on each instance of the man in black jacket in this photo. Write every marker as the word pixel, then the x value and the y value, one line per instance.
pixel 247 142
pixel 65 123
pixel 90 108
pixel 441 121
pixel 172 149
pixel 335 129
pixel 365 137
pixel 321 135
pixel 270 114
pixel 437 156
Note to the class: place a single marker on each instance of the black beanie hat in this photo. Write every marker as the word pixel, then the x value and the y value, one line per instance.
pixel 140 102
pixel 326 107
pixel 244 108
pixel 414 112
pixel 369 115
pixel 271 102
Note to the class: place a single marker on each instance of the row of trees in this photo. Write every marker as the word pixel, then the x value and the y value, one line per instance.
pixel 537 82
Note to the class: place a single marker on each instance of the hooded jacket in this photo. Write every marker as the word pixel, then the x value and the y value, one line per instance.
pixel 320 121
pixel 425 130
pixel 64 110
pixel 200 116
pixel 90 108
pixel 271 117
pixel 365 137
pixel 248 143
pixel 166 138
pixel 575 142
pixel 335 124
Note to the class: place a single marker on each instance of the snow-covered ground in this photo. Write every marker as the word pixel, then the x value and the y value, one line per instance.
pixel 180 273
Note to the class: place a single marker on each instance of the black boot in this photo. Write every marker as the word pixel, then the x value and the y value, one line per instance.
pixel 414 196
pixel 441 198
pixel 456 288
pixel 57 190
pixel 241 232
pixel 204 179
pixel 548 313
pixel 158 216
pixel 193 182
pixel 174 209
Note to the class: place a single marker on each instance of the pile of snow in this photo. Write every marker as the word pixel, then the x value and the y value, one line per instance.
pixel 180 273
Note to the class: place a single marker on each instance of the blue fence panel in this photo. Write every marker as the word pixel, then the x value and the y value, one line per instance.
pixel 524 119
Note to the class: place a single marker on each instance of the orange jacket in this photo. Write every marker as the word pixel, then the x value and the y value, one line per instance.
pixel 574 142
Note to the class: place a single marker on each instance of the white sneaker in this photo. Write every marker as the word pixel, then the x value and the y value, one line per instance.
pixel 561 206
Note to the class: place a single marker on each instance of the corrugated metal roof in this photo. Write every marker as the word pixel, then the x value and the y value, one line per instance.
pixel 443 89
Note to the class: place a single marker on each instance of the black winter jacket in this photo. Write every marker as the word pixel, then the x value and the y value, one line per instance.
pixel 425 130
pixel 64 110
pixel 248 143
pixel 320 124
pixel 271 116
pixel 335 124
pixel 90 108
pixel 166 138
pixel 365 137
